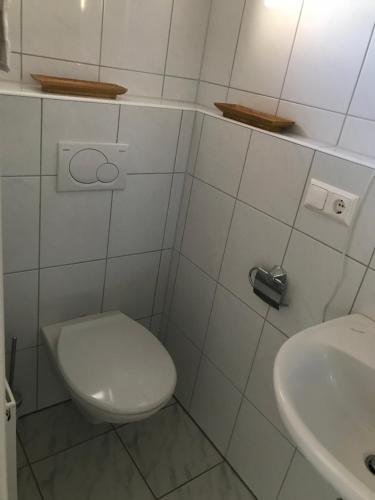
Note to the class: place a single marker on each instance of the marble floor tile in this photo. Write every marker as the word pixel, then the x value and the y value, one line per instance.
pixel 21 458
pixel 220 483
pixel 169 449
pixel 27 489
pixel 47 432
pixel 96 470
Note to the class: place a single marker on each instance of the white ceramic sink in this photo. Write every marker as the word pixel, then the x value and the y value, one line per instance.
pixel 324 380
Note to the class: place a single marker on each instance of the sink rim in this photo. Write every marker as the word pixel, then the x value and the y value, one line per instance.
pixel 330 467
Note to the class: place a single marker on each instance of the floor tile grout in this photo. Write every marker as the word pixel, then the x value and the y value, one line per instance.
pixel 115 432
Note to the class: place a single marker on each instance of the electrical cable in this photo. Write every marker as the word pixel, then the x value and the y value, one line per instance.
pixel 341 274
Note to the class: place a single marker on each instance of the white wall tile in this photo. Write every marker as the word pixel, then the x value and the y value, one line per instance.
pixel 306 303
pixel 74 225
pixel 180 89
pixel 358 136
pixel 264 46
pixel 222 36
pixel 254 240
pixel 215 404
pixel 192 301
pixel 222 154
pixel 173 210
pixel 232 337
pixel 130 284
pixel 14 73
pixel 75 31
pixel 137 83
pixel 75 121
pixel 259 453
pixel 25 379
pixel 195 140
pixel 184 140
pixel 303 481
pixel 56 67
pixel 20 214
pixel 186 358
pixel 209 93
pixel 207 226
pixel 260 390
pixel 21 309
pixel 161 288
pixel 68 292
pixel 51 389
pixel 365 301
pixel 183 211
pixel 20 135
pixel 274 176
pixel 255 101
pixel 313 123
pixel 152 134
pixel 140 28
pixel 350 177
pixel 329 48
pixel 139 214
pixel 363 103
pixel 187 37
pixel 14 20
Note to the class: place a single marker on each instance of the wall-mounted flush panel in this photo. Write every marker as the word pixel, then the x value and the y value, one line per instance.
pixel 331 201
pixel 89 166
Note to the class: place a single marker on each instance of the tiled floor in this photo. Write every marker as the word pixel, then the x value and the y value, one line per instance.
pixel 61 456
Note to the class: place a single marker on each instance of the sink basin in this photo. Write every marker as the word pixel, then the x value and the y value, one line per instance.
pixel 324 380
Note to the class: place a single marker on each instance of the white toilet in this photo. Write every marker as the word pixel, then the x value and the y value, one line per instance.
pixel 114 368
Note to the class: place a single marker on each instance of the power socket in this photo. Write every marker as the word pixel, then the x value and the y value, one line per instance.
pixel 331 201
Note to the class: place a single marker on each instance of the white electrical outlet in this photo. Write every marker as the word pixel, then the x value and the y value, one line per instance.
pixel 331 201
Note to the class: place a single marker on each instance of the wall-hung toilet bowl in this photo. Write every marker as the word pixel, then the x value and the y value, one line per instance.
pixel 115 369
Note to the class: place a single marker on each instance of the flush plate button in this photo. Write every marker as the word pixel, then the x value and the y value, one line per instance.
pixel 108 172
pixel 84 166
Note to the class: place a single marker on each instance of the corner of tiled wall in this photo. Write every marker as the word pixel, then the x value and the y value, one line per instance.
pixel 77 253
pixel 222 338
pixel 158 54
pixel 264 55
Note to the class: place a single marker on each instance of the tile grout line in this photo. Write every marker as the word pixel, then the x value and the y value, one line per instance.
pixel 115 429
pixel 224 460
pixel 356 84
pixel 202 349
pixel 28 465
pixel 167 49
pixel 192 184
pixel 101 40
pixel 21 39
pixel 286 473
pixel 39 254
pixel 244 391
pixel 290 56
pixel 174 237
pixel 182 485
pixel 72 447
pixel 166 219
pixel 293 228
pixel 106 257
pixel 183 236
pixel 235 50
pixel 368 268
pixel 68 264
pixel 204 49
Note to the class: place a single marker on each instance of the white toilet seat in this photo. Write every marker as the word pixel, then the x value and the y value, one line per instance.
pixel 115 369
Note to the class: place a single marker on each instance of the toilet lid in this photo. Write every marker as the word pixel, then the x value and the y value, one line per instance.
pixel 116 364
